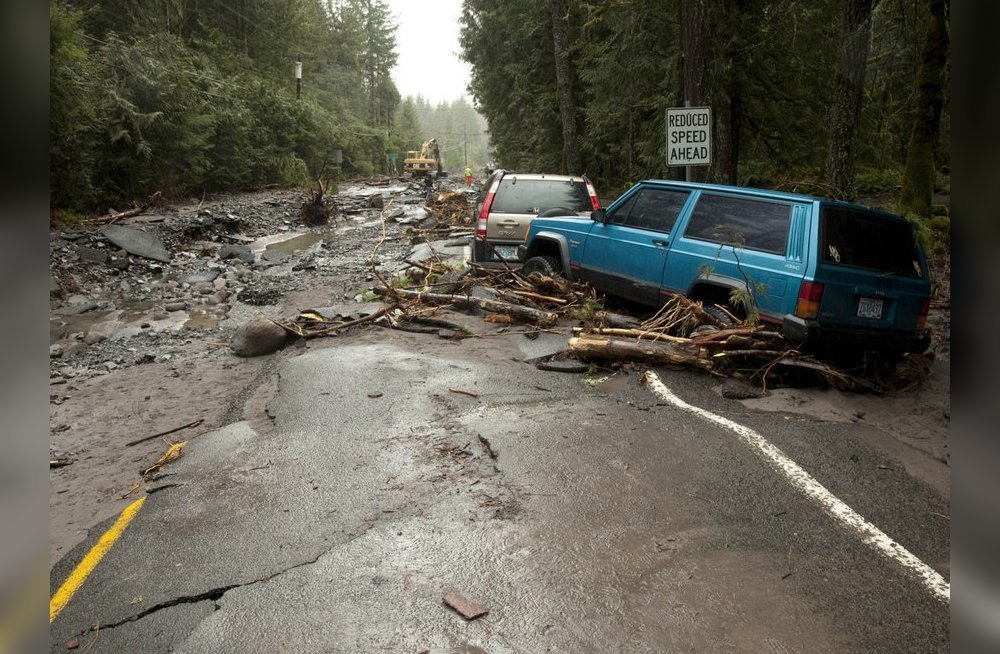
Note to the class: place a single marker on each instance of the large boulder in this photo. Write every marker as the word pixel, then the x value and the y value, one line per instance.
pixel 257 337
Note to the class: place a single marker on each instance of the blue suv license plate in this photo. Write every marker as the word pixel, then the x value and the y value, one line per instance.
pixel 870 307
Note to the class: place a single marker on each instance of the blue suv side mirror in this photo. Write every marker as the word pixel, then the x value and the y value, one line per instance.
pixel 600 215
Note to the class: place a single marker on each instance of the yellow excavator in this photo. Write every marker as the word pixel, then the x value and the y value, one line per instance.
pixel 425 162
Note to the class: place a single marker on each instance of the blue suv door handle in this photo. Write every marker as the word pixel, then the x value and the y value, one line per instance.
pixel 660 242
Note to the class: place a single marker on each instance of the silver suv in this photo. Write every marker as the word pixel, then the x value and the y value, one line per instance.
pixel 510 201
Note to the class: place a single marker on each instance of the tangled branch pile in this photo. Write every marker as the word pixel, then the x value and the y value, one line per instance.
pixel 450 208
pixel 682 333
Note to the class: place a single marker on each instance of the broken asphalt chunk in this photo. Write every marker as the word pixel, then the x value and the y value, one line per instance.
pixel 137 242
pixel 465 608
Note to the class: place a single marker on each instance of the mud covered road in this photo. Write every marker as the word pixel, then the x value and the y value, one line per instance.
pixel 336 491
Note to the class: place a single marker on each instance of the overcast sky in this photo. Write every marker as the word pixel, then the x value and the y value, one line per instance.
pixel 427 45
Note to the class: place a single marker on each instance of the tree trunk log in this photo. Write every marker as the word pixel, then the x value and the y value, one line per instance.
pixel 564 85
pixel 543 318
pixel 918 175
pixel 676 354
pixel 848 93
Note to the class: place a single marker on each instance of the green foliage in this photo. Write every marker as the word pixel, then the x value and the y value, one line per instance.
pixel 879 180
pixel 587 309
pixel 509 46
pixel 934 234
pixel 742 298
pixel 65 219
pixel 192 97
pixel 73 136
pixel 770 71
pixel 402 281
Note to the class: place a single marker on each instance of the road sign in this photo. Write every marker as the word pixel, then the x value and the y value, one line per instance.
pixel 689 136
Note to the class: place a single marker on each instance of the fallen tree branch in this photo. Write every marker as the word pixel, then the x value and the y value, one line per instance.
pixel 165 433
pixel 496 306
pixel 295 329
pixel 638 334
pixel 690 356
pixel 135 211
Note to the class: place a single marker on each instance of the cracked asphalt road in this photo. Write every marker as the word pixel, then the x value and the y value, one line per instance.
pixel 606 521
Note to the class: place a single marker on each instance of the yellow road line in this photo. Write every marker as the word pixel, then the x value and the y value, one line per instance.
pixel 90 561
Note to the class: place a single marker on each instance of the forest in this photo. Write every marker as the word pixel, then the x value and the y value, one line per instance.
pixel 837 98
pixel 183 97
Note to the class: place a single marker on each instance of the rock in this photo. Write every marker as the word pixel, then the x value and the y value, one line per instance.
pixel 75 308
pixel 93 337
pixel 175 306
pixel 736 390
pixel 307 262
pixel 137 242
pixel 411 215
pixel 563 365
pixel 55 351
pixel 92 254
pixel 194 279
pixel 275 256
pixel 257 337
pixel 235 251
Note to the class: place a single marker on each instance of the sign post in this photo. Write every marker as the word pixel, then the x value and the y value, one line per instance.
pixel 689 137
pixel 298 76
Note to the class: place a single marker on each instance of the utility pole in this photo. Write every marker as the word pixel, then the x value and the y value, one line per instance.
pixel 298 76
pixel 465 143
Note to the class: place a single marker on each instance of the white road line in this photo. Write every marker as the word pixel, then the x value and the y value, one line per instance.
pixel 812 488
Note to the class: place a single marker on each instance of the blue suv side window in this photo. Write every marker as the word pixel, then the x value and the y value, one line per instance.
pixel 745 222
pixel 653 209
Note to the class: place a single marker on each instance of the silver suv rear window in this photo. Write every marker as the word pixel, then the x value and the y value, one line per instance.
pixel 533 196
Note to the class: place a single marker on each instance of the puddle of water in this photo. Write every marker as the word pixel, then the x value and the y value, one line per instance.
pixel 127 321
pixel 292 244
pixel 60 326
pixel 201 319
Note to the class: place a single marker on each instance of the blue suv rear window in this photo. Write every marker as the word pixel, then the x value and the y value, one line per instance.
pixel 865 239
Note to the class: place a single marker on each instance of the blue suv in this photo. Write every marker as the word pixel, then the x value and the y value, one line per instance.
pixel 828 273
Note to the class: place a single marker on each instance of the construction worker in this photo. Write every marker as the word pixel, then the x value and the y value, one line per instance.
pixel 468 176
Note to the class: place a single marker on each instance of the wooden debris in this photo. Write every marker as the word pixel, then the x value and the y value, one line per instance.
pixel 524 313
pixel 656 352
pixel 451 208
pixel 153 200
pixel 463 392
pixel 173 452
pixel 319 209
pixel 165 433
pixel 465 608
